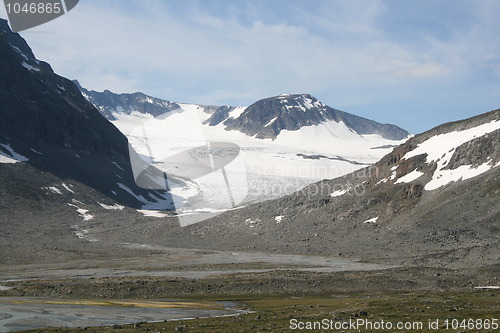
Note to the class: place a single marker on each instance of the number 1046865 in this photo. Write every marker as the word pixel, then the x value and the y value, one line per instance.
pixel 472 324
pixel 34 8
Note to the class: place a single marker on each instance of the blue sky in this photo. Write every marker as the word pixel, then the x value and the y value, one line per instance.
pixel 412 63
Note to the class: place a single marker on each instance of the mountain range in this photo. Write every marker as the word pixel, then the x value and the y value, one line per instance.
pixel 274 136
pixel 65 171
pixel 264 119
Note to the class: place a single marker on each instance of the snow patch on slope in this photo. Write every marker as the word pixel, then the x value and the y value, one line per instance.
pixel 372 220
pixel 29 67
pixel 18 50
pixel 55 190
pixel 66 187
pixel 445 144
pixel 440 148
pixel 116 165
pixel 82 212
pixel 111 207
pixel 338 193
pixel 11 156
pixel 271 121
pixel 237 112
pixel 408 178
pixel 463 172
pixel 152 213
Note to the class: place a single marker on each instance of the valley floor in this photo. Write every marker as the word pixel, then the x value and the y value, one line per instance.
pixel 419 312
pixel 275 288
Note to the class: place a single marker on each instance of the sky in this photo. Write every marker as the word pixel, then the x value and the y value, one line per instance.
pixel 415 64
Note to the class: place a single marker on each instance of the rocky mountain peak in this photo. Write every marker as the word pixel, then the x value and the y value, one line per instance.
pixel 303 101
pixel 266 118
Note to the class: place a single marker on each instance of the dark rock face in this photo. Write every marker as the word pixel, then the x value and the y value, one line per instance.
pixel 365 126
pixel 477 151
pixel 219 114
pixel 268 117
pixel 44 117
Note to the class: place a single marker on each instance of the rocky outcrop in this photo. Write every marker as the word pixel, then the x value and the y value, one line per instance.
pixel 268 117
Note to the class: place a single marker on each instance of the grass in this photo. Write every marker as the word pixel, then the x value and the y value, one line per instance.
pixel 274 314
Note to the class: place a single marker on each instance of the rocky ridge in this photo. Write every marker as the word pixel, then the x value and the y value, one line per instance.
pixel 264 119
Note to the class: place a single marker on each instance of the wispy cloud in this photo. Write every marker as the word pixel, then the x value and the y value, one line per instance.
pixel 356 55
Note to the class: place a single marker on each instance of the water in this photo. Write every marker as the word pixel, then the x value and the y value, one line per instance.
pixel 20 313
